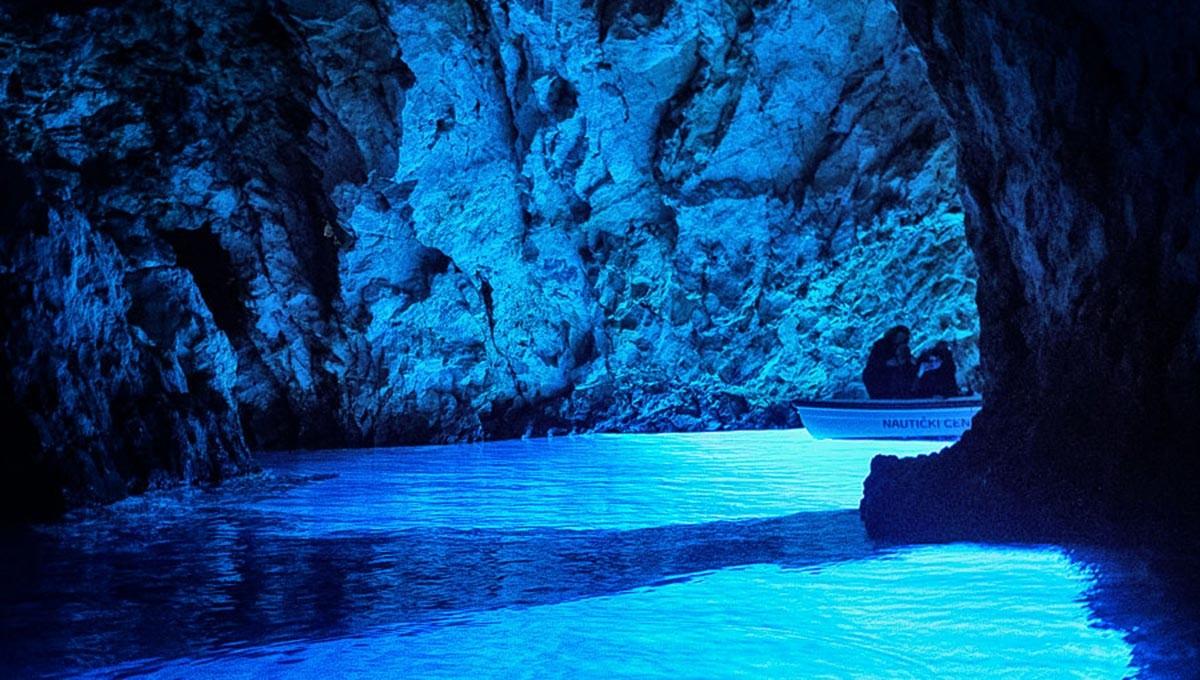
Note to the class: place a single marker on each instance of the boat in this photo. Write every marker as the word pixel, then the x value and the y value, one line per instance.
pixel 940 418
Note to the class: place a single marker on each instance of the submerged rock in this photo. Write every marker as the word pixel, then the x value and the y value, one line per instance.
pixel 356 223
pixel 1079 148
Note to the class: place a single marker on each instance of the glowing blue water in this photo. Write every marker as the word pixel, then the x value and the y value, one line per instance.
pixel 665 555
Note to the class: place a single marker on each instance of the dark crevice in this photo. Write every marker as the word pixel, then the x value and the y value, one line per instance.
pixel 200 252
pixel 29 484
pixel 835 137
pixel 671 121
pixel 627 18
pixel 563 99
pixel 404 75
pixel 431 263
pixel 20 210
pixel 485 294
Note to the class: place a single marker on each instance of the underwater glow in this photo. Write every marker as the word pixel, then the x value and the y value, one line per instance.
pixel 599 481
pixel 696 555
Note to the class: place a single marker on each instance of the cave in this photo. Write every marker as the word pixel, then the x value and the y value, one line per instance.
pixel 366 275
pixel 254 236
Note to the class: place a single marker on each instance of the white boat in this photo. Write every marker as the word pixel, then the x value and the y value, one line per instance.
pixel 889 418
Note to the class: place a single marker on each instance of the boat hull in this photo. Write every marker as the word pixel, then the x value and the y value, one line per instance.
pixel 943 419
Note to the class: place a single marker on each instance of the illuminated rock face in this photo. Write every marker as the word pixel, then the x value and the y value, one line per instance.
pixel 354 223
pixel 1080 159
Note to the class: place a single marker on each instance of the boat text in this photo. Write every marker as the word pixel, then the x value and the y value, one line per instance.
pixel 926 423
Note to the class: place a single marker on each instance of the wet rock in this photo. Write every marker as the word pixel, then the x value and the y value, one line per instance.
pixel 1078 146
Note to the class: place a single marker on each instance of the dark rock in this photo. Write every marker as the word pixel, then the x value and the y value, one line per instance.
pixel 1079 142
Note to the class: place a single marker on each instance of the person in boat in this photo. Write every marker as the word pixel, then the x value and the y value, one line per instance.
pixel 937 374
pixel 890 370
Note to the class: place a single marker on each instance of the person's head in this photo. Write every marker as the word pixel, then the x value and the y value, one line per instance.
pixel 942 350
pixel 898 336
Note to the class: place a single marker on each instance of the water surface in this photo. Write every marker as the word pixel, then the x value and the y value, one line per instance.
pixel 713 555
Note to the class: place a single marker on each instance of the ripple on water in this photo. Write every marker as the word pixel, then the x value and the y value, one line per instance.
pixel 952 611
pixel 599 556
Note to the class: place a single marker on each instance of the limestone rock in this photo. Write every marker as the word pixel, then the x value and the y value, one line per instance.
pixel 357 223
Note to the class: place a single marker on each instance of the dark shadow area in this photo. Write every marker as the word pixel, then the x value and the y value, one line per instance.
pixel 200 252
pixel 100 595
pixel 1086 239
pixel 1153 599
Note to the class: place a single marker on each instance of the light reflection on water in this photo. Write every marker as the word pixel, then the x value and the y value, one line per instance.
pixel 636 555
pixel 588 482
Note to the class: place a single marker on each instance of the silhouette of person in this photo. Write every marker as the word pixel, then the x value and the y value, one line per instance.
pixel 937 372
pixel 890 369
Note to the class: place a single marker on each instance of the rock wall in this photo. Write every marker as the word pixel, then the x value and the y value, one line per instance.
pixel 351 223
pixel 1079 143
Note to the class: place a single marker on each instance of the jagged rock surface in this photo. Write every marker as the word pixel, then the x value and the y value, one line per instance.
pixel 1079 132
pixel 355 223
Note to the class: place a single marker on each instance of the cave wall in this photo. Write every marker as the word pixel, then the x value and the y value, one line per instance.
pixel 1078 126
pixel 682 217
pixel 259 224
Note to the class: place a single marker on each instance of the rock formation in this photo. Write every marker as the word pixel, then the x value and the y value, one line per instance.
pixel 256 224
pixel 1078 126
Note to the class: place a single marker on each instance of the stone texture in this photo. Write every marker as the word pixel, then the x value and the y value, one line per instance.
pixel 1079 142
pixel 356 223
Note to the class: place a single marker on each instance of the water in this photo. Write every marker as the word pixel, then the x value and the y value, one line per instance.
pixel 717 555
